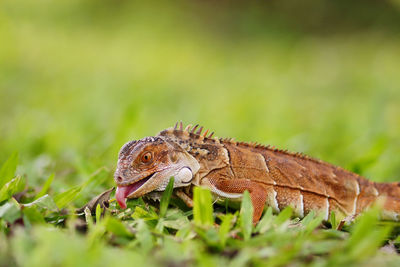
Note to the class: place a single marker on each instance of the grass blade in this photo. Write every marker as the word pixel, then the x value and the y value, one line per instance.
pixel 45 187
pixel 266 221
pixel 166 197
pixel 98 213
pixel 246 215
pixel 67 197
pixel 14 186
pixel 10 211
pixel 8 169
pixel 117 227
pixel 45 203
pixel 284 215
pixel 202 206
pixel 224 228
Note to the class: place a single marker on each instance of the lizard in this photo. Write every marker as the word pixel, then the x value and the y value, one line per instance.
pixel 274 178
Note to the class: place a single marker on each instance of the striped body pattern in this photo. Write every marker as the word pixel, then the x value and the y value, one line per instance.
pixel 273 177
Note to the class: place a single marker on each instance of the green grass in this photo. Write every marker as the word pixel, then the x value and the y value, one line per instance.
pixel 78 79
pixel 42 233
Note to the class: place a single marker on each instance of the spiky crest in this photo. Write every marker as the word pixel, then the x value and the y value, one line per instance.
pixel 190 133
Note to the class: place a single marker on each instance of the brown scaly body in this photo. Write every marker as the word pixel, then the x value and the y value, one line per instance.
pixel 273 177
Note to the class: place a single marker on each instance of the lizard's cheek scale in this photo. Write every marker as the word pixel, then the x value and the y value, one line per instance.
pixel 124 191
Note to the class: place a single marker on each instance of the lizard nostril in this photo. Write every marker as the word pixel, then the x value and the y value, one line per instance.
pixel 119 179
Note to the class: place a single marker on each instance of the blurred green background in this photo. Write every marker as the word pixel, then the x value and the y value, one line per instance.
pixel 78 79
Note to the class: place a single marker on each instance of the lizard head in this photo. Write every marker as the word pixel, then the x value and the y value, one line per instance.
pixel 147 165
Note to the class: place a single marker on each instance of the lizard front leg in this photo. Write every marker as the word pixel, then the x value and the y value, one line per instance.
pixel 184 197
pixel 230 188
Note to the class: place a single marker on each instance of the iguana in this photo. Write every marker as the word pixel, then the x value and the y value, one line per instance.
pixel 273 177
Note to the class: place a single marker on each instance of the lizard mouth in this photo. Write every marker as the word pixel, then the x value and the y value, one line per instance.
pixel 123 192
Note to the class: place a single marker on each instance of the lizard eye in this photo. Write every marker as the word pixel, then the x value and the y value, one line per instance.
pixel 147 157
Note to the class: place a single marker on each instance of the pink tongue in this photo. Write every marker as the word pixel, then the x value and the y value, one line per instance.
pixel 121 194
pixel 124 191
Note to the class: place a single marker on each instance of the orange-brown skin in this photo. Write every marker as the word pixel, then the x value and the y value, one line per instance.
pixel 273 177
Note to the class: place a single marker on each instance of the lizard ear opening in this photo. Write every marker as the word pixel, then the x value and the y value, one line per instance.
pixel 173 157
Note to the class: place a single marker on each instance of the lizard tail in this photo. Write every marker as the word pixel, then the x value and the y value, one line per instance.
pixel 386 194
pixel 390 195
